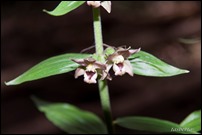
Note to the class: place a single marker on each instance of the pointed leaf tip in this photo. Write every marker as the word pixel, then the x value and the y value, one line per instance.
pixel 6 83
pixel 186 71
pixel 12 82
pixel 52 66
pixel 44 10
pixel 64 7
pixel 148 65
pixel 192 121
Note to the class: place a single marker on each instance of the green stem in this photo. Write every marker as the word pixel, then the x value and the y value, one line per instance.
pixel 98 33
pixel 103 87
pixel 105 102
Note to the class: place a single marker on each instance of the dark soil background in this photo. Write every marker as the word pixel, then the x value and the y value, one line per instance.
pixel 29 36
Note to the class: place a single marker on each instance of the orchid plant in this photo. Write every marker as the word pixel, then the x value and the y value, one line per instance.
pixel 95 69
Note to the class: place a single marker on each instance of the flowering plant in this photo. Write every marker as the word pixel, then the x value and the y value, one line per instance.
pixel 95 68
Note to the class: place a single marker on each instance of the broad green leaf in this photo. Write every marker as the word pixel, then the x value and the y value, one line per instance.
pixel 56 65
pixel 65 7
pixel 146 64
pixel 70 118
pixel 192 121
pixel 151 124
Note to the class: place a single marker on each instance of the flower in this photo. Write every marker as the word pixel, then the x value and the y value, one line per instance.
pixel 94 4
pixel 119 61
pixel 91 69
pixel 105 4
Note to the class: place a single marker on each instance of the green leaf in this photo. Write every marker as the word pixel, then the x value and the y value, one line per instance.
pixel 146 64
pixel 65 7
pixel 192 121
pixel 56 65
pixel 70 118
pixel 151 124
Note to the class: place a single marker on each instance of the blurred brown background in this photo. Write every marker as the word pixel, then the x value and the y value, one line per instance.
pixel 29 36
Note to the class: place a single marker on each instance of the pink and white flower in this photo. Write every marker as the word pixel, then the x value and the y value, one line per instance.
pixel 91 69
pixel 119 61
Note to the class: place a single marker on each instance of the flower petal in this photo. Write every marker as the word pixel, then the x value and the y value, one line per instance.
pixel 80 62
pixel 109 67
pixel 89 61
pixel 94 4
pixel 134 50
pixel 118 59
pixel 128 67
pixel 100 65
pixel 127 52
pixel 104 75
pixel 79 72
pixel 111 57
pixel 107 6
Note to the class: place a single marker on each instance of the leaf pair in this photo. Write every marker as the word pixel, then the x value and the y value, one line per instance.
pixel 76 121
pixel 143 64
pixel 190 125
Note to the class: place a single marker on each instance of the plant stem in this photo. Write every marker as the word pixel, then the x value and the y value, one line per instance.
pixel 105 102
pixel 98 33
pixel 103 87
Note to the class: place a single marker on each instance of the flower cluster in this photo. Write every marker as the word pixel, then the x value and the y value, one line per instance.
pixel 92 69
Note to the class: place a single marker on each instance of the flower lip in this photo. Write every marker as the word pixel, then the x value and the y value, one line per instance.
pixel 120 65
pixel 90 74
pixel 119 69
pixel 90 77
